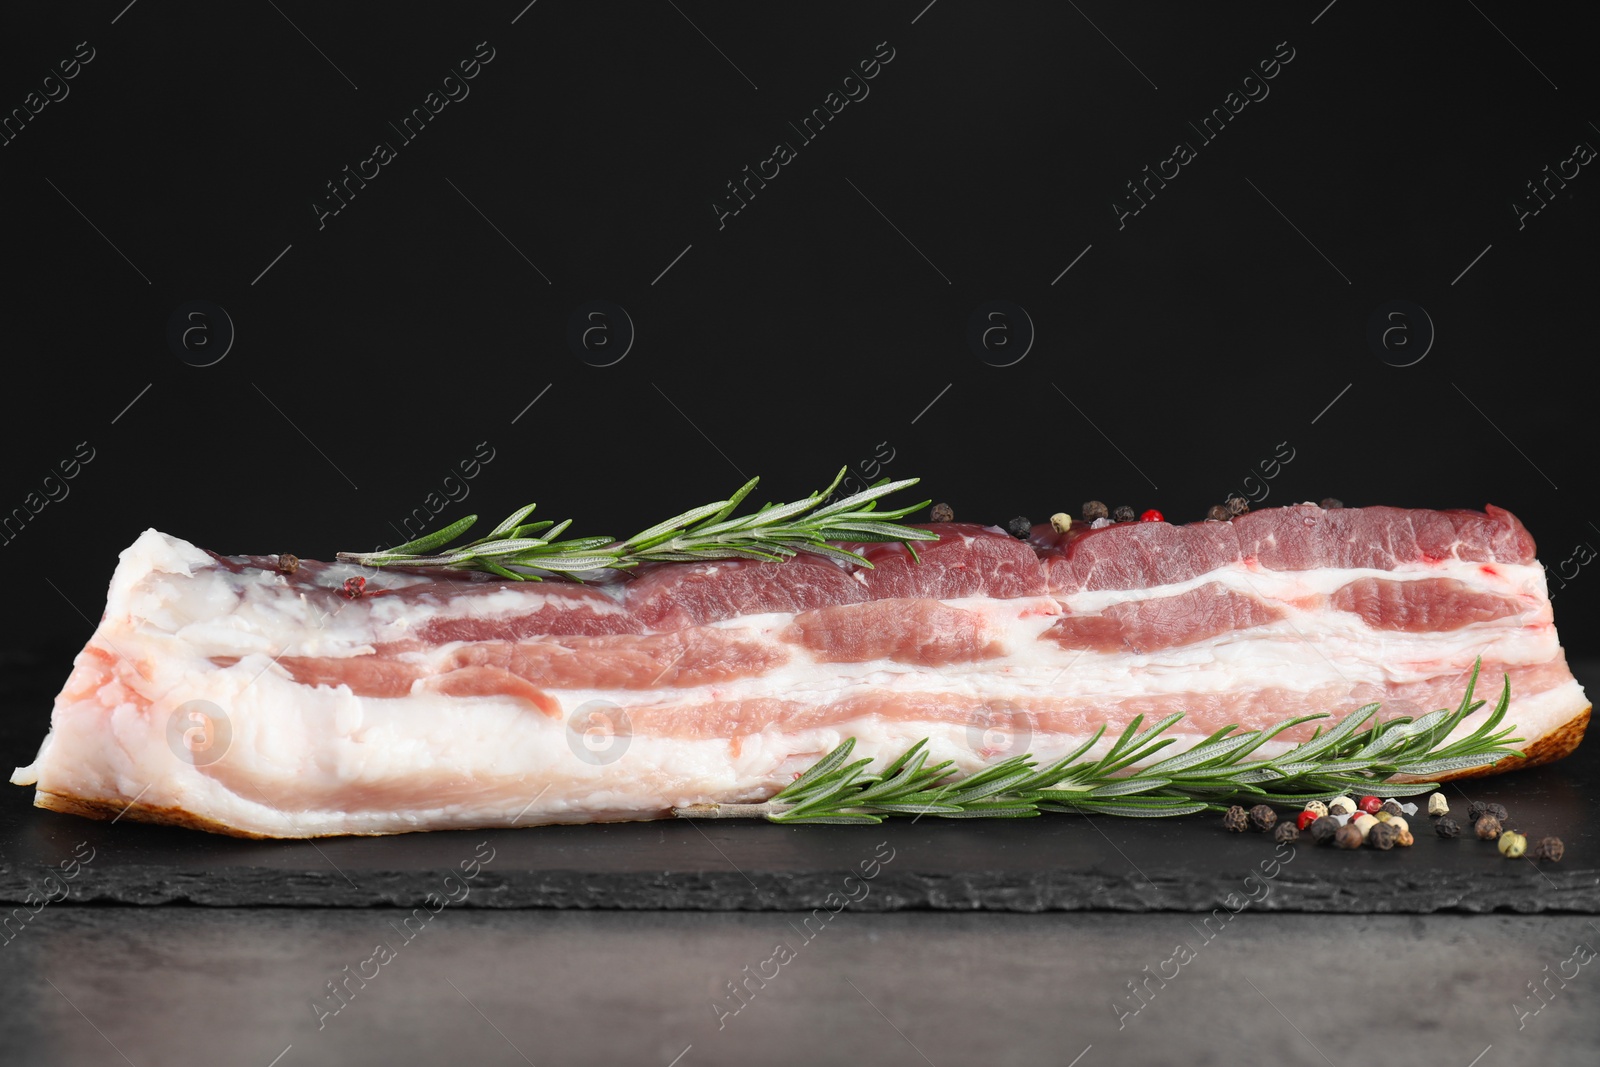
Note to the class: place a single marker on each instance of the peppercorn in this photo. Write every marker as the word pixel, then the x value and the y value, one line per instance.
pixel 1318 807
pixel 1487 828
pixel 1262 818
pixel 1399 822
pixel 1364 823
pixel 1305 819
pixel 1382 816
pixel 942 513
pixel 1323 828
pixel 1341 806
pixel 1477 810
pixel 1382 836
pixel 1549 850
pixel 1152 516
pixel 288 563
pixel 1392 807
pixel 1347 836
pixel 1020 526
pixel 1370 805
pixel 1332 502
pixel 1095 510
pixel 1235 820
pixel 1512 844
pixel 1061 521
pixel 354 587
pixel 1447 827
pixel 1404 839
pixel 1123 513
pixel 1438 805
pixel 1219 513
pixel 1237 504
pixel 1286 831
pixel 1497 810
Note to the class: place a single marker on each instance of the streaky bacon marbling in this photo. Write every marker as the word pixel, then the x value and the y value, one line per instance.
pixel 452 699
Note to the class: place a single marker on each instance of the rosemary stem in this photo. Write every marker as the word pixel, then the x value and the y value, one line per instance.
pixel 731 811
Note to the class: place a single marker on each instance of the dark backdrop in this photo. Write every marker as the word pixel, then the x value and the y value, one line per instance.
pixel 1220 333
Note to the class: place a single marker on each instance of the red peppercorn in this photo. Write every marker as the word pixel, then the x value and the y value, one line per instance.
pixel 1306 819
pixel 1151 516
pixel 354 587
pixel 1370 805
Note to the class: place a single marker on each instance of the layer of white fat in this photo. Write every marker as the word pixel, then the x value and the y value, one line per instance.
pixel 171 609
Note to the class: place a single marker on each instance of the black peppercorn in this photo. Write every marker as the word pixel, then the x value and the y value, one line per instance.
pixel 1235 820
pixel 1323 828
pixel 1497 810
pixel 288 563
pixel 1219 513
pixel 1332 502
pixel 1123 514
pixel 1477 810
pixel 1447 827
pixel 1392 807
pixel 1382 836
pixel 1286 831
pixel 1093 510
pixel 1020 526
pixel 1347 836
pixel 1487 828
pixel 1262 818
pixel 1238 504
pixel 941 513
pixel 1549 850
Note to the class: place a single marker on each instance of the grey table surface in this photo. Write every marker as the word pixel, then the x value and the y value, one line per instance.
pixel 1145 958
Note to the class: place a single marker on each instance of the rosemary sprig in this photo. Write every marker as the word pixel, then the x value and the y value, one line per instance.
pixel 522 550
pixel 1349 757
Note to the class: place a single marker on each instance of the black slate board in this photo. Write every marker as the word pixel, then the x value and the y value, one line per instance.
pixel 1048 863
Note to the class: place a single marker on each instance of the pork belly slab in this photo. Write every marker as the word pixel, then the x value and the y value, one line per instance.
pixel 218 692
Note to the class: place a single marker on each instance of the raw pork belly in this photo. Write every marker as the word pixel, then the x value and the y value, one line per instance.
pixel 220 693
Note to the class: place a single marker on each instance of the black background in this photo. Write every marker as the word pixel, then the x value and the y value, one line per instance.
pixel 1208 334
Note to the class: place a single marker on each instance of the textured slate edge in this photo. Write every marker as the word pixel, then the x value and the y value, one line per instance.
pixel 1517 889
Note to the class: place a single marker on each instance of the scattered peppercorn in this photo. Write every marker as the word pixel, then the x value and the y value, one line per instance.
pixel 1549 850
pixel 1382 816
pixel 1370 805
pixel 1219 513
pixel 1262 818
pixel 1286 831
pixel 354 587
pixel 1364 823
pixel 1332 502
pixel 1123 514
pixel 1512 844
pixel 1234 820
pixel 1151 516
pixel 288 563
pixel 1317 807
pixel 1347 836
pixel 1399 822
pixel 1447 827
pixel 1323 829
pixel 1020 526
pixel 1497 810
pixel 1404 839
pixel 1061 522
pixel 1487 828
pixel 1093 510
pixel 1238 504
pixel 1392 807
pixel 1438 805
pixel 1305 819
pixel 1341 806
pixel 942 513
pixel 1382 836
